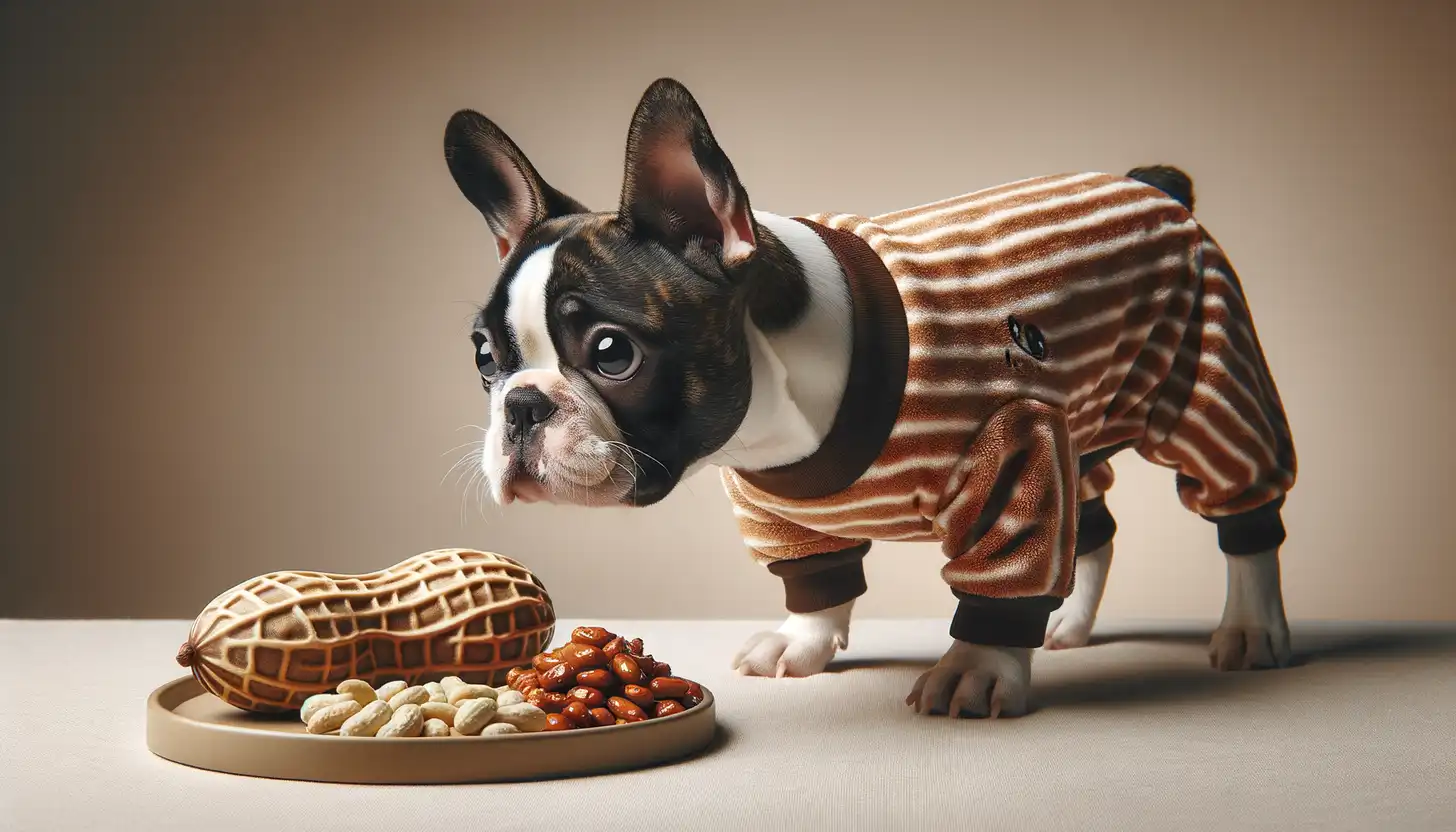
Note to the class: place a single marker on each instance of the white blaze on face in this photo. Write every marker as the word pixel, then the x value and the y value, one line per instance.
pixel 526 311
pixel 526 320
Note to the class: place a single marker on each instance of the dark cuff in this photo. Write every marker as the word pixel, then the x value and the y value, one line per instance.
pixel 819 582
pixel 1253 531
pixel 1095 526
pixel 1002 622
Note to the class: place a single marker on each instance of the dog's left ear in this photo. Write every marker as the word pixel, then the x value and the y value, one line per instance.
pixel 679 185
pixel 500 181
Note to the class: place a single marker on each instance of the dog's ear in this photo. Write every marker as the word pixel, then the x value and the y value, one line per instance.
pixel 499 180
pixel 679 185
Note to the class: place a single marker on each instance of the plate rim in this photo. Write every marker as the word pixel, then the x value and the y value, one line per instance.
pixel 166 730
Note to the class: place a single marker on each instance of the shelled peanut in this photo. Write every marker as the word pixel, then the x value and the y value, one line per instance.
pixel 600 678
pixel 449 708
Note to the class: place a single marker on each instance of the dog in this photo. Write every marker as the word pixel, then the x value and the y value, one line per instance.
pixel 959 372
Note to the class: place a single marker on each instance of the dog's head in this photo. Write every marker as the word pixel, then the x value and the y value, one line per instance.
pixel 613 346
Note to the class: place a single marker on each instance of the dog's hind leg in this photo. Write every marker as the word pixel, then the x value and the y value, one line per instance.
pixel 1220 425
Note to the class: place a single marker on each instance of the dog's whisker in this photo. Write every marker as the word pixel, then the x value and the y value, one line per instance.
pixel 470 444
pixel 467 459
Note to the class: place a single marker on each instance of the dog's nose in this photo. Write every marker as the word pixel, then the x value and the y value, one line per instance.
pixel 526 407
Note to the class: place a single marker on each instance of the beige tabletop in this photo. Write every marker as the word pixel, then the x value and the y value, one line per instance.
pixel 1135 733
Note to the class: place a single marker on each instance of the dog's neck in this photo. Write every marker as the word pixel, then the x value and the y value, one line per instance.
pixel 800 370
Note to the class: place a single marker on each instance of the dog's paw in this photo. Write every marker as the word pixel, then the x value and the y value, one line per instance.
pixel 975 680
pixel 1254 634
pixel 1249 648
pixel 1070 624
pixel 802 645
pixel 1068 628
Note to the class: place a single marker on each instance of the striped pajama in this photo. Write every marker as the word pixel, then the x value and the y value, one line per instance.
pixel 1050 321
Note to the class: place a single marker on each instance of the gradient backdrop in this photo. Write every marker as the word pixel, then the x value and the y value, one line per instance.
pixel 238 277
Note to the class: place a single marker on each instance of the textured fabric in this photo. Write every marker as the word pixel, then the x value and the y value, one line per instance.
pixel 1048 319
pixel 1125 737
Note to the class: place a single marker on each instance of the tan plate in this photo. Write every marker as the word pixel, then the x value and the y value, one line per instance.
pixel 188 725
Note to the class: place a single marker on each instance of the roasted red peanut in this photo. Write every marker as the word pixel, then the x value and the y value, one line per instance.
pixel 591 697
pixel 510 675
pixel 583 656
pixel 625 709
pixel 600 678
pixel 527 681
pixel 639 695
pixel 548 701
pixel 596 678
pixel 669 687
pixel 559 678
pixel 578 713
pixel 627 669
pixel 595 636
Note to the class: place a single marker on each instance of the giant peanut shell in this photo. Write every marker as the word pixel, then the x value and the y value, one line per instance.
pixel 270 642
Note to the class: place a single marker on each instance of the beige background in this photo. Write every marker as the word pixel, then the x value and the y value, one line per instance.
pixel 237 276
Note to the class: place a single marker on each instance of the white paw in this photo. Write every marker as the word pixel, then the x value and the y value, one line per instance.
pixel 1254 634
pixel 1249 648
pixel 1070 624
pixel 975 680
pixel 1068 628
pixel 802 645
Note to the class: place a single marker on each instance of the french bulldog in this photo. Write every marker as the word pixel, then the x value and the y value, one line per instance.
pixel 960 372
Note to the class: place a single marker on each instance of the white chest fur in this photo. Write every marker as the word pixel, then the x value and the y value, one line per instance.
pixel 799 374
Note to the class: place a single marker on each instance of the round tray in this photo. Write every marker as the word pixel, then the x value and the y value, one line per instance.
pixel 188 725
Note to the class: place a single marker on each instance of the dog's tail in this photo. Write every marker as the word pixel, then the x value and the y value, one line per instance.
pixel 1169 180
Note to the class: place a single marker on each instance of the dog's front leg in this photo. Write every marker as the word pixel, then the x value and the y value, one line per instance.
pixel 974 680
pixel 801 646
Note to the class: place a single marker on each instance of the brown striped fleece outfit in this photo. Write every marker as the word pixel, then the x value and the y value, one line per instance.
pixel 1006 344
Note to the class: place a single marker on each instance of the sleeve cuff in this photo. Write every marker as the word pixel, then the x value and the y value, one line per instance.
pixel 1095 526
pixel 819 582
pixel 1002 622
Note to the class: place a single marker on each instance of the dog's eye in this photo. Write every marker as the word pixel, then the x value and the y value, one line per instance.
pixel 614 355
pixel 484 358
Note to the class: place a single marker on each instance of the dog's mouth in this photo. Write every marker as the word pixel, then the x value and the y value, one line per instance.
pixel 518 485
pixel 582 479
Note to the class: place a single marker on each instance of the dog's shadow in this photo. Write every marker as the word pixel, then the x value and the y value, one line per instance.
pixel 1123 685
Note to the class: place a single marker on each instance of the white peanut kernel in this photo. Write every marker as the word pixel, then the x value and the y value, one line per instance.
pixel 318 701
pixel 473 715
pixel 416 695
pixel 332 717
pixel 525 716
pixel 388 690
pixel 406 722
pixel 465 692
pixel 368 721
pixel 359 690
pixel 442 711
